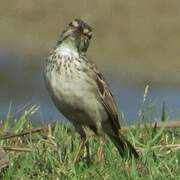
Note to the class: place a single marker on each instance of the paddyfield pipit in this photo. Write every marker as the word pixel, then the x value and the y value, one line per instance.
pixel 80 91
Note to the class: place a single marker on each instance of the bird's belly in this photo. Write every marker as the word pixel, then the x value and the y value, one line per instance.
pixel 67 90
pixel 76 99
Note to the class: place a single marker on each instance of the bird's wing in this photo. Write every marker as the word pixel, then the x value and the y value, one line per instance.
pixel 106 96
pixel 108 101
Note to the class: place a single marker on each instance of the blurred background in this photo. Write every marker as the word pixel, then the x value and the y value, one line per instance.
pixel 135 43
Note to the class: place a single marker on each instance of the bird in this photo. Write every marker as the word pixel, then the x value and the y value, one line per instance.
pixel 80 91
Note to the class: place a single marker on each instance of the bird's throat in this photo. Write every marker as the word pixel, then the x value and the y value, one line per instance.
pixel 67 48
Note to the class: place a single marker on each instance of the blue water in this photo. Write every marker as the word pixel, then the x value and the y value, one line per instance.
pixel 22 83
pixel 129 101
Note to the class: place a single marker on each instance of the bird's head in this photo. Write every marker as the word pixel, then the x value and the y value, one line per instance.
pixel 78 33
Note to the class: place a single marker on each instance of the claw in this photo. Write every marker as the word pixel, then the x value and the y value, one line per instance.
pixel 100 151
pixel 77 157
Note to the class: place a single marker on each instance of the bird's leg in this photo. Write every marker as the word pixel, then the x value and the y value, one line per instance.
pixel 100 152
pixel 82 133
pixel 82 144
pixel 88 153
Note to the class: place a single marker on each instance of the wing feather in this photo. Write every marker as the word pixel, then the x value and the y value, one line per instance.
pixel 105 94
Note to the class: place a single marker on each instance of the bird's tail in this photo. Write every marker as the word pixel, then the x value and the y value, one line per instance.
pixel 122 144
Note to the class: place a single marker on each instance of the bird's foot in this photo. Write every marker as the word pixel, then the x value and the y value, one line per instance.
pixel 81 147
pixel 100 153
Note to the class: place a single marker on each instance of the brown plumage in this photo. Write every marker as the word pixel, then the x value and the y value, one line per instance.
pixel 80 91
pixel 107 100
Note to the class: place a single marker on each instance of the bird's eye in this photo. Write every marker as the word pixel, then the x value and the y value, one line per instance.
pixel 75 24
pixel 87 32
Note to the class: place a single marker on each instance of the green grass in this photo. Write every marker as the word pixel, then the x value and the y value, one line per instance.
pixel 53 158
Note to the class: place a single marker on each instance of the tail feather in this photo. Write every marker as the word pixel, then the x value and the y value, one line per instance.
pixel 122 144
